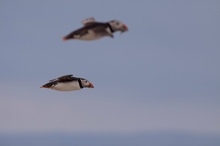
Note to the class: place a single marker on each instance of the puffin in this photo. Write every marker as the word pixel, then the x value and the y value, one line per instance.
pixel 68 83
pixel 93 30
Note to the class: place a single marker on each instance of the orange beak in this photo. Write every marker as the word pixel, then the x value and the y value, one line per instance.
pixel 125 28
pixel 91 85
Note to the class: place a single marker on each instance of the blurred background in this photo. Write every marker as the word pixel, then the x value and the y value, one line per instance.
pixel 157 84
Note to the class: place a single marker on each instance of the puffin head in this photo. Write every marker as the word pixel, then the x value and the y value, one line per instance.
pixel 118 26
pixel 86 83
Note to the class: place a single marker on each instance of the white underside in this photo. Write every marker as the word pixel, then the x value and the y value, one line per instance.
pixel 90 36
pixel 70 86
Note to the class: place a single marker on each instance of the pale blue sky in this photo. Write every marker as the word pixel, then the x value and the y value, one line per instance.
pixel 161 75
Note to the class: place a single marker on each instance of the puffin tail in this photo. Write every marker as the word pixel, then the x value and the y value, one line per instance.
pixel 48 85
pixel 69 36
pixel 65 39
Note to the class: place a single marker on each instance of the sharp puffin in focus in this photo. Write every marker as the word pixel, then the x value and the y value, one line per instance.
pixel 93 30
pixel 68 83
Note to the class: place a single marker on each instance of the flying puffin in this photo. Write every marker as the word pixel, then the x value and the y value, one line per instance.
pixel 93 30
pixel 68 83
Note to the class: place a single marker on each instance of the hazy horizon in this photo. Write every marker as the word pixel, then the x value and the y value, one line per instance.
pixel 152 138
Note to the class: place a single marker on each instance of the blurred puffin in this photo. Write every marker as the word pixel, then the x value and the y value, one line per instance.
pixel 68 83
pixel 93 30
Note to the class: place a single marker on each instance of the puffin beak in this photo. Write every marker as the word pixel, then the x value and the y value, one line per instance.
pixel 91 85
pixel 124 28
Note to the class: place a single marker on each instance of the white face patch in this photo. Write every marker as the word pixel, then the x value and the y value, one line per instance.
pixel 116 25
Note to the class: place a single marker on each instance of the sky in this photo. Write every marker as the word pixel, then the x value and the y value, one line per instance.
pixel 161 75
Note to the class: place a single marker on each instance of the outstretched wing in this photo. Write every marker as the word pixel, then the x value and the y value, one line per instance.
pixel 88 21
pixel 53 82
pixel 64 78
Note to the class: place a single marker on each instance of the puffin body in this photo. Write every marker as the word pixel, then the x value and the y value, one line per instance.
pixel 93 30
pixel 67 86
pixel 68 83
